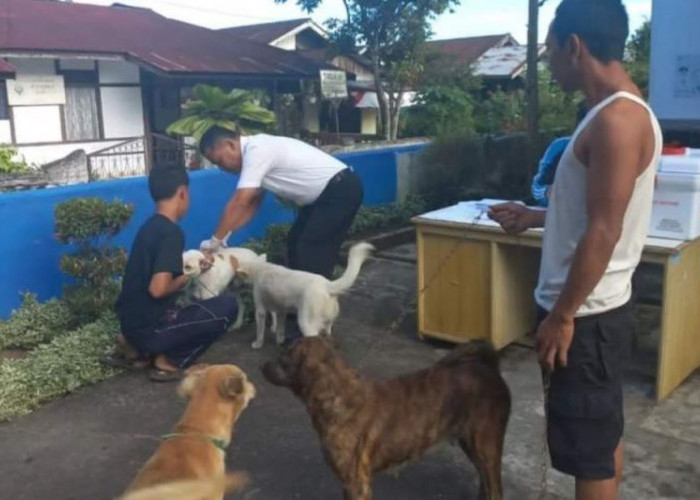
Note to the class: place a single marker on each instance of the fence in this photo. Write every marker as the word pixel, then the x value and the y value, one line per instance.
pixel 30 253
pixel 126 159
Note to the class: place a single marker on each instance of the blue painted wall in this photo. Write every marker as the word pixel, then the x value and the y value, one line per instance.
pixel 29 253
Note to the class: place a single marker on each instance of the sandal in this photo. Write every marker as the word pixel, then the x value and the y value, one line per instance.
pixel 119 362
pixel 157 375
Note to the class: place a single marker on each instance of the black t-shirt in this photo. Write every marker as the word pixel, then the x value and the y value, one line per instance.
pixel 157 248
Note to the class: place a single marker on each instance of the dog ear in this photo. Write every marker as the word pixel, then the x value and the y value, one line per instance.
pixel 188 384
pixel 240 271
pixel 234 263
pixel 263 257
pixel 232 387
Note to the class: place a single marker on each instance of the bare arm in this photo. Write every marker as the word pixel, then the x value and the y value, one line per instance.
pixel 164 285
pixel 614 159
pixel 515 218
pixel 242 206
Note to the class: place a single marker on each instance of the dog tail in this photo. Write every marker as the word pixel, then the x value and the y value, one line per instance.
pixel 191 489
pixel 481 351
pixel 358 254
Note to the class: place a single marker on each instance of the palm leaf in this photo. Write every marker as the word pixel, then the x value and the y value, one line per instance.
pixel 235 110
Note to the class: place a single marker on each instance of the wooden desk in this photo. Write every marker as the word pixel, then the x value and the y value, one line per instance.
pixel 485 286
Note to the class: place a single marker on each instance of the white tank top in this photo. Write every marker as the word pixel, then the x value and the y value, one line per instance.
pixel 567 219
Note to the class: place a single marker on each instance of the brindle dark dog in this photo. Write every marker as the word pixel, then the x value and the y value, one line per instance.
pixel 367 426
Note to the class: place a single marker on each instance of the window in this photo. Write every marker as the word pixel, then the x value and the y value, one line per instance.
pixel 4 108
pixel 80 113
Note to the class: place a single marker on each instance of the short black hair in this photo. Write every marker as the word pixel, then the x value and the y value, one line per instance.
pixel 163 182
pixel 215 134
pixel 602 24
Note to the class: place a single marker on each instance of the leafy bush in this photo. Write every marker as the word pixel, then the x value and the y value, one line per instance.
pixel 374 218
pixel 59 367
pixel 90 224
pixel 274 243
pixel 8 162
pixel 34 323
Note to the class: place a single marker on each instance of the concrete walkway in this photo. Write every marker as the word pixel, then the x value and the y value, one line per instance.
pixel 89 445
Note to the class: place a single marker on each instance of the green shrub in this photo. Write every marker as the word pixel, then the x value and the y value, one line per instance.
pixel 374 218
pixel 57 368
pixel 34 323
pixel 274 243
pixel 8 162
pixel 90 224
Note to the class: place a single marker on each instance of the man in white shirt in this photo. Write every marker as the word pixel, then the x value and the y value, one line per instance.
pixel 595 228
pixel 325 190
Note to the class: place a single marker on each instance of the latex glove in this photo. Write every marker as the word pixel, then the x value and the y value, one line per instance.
pixel 213 244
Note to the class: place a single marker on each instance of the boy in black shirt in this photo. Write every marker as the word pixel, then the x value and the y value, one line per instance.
pixel 150 320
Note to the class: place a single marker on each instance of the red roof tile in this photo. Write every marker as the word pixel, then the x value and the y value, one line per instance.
pixel 164 44
pixel 465 51
pixel 267 32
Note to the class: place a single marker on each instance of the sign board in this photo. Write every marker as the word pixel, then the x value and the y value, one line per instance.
pixel 36 90
pixel 334 84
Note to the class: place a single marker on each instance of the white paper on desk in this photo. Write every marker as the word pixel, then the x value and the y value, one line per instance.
pixel 466 212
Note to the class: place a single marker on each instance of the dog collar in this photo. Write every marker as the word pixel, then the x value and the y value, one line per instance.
pixel 220 443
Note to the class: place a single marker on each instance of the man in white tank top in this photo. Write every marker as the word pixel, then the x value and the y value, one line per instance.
pixel 595 228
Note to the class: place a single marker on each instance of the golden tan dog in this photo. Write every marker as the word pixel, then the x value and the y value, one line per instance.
pixel 189 463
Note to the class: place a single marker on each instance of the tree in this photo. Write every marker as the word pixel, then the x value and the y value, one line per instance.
pixel 638 55
pixel 392 35
pixel 238 109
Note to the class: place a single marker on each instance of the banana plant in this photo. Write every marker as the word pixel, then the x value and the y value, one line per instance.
pixel 236 110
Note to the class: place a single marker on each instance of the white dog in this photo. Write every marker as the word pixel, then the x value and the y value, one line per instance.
pixel 212 274
pixel 278 290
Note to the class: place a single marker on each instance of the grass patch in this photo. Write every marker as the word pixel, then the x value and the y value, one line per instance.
pixel 59 367
pixel 34 323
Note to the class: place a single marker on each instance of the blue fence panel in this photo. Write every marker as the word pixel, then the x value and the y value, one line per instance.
pixel 30 253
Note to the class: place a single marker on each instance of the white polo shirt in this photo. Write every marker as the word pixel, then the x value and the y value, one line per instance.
pixel 289 168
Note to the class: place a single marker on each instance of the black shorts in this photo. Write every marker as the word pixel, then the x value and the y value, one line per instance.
pixel 586 419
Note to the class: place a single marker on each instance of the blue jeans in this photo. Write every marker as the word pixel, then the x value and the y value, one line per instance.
pixel 183 335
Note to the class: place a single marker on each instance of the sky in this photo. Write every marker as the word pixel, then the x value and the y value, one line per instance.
pixel 471 18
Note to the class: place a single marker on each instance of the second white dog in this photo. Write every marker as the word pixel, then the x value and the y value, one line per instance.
pixel 278 290
pixel 212 277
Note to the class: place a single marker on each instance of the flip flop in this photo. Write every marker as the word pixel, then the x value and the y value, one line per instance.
pixel 157 375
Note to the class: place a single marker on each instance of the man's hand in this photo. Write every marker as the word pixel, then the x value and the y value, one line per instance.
pixel 554 337
pixel 212 244
pixel 513 217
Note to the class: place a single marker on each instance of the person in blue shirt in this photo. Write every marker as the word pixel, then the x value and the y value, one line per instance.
pixel 544 178
pixel 545 172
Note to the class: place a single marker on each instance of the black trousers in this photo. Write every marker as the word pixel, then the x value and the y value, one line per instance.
pixel 185 334
pixel 315 239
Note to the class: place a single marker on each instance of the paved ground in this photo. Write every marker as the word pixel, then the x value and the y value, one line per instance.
pixel 89 445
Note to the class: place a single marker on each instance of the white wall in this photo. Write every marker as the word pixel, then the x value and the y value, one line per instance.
pixel 118 72
pixel 40 155
pixel 122 112
pixel 287 43
pixel 33 66
pixel 675 42
pixel 37 124
pixel 77 64
pixel 5 132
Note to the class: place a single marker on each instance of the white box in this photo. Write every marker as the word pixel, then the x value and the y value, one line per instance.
pixel 676 211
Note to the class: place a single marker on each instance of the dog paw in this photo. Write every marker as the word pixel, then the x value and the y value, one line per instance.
pixel 257 345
